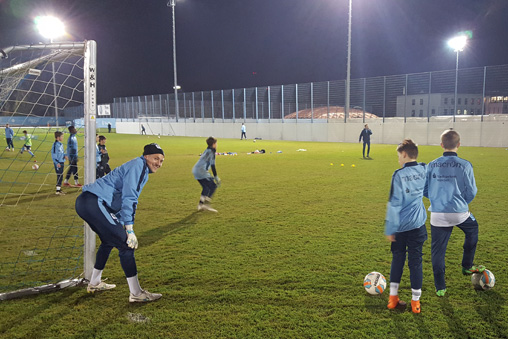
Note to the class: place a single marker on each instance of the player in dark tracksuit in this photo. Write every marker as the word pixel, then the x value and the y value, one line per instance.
pixel 109 206
pixel 365 135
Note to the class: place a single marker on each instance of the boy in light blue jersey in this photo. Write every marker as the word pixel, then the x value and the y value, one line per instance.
pixel 9 135
pixel 405 224
pixel 450 187
pixel 202 175
pixel 58 156
pixel 109 206
pixel 72 155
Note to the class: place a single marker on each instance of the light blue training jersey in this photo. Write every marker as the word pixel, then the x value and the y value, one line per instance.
pixel 200 169
pixel 405 210
pixel 57 152
pixel 72 147
pixel 121 188
pixel 9 133
pixel 450 184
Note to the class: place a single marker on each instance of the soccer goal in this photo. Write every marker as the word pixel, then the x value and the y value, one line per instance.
pixel 45 246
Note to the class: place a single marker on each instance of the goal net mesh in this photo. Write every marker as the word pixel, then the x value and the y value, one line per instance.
pixel 41 237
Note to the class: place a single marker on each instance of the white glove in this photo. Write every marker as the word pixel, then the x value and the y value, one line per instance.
pixel 217 181
pixel 132 241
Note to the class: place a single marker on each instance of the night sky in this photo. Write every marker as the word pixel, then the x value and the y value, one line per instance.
pixel 245 43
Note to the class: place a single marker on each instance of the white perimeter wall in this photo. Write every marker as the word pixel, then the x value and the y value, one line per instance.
pixel 492 132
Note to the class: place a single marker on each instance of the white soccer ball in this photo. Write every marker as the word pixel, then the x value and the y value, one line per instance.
pixel 483 281
pixel 35 167
pixel 374 283
pixel 254 140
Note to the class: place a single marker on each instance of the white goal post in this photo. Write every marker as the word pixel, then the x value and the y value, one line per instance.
pixel 52 53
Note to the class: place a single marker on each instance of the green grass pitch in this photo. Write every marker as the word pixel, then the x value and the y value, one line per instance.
pixel 285 257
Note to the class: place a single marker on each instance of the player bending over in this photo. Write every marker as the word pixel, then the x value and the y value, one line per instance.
pixel 405 224
pixel 108 206
pixel 450 188
pixel 203 176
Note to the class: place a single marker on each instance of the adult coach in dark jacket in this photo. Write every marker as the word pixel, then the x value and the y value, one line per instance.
pixel 365 134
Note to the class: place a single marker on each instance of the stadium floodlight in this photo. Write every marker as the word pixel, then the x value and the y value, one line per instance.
pixel 51 28
pixel 457 43
pixel 172 4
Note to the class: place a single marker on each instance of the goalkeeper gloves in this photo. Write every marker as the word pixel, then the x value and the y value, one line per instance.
pixel 217 181
pixel 132 241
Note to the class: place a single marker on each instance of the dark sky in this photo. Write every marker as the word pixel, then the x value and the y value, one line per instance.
pixel 247 43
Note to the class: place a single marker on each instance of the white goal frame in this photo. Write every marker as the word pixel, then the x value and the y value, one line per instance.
pixel 89 49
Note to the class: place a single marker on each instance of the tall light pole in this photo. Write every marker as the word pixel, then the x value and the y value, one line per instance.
pixel 50 28
pixel 172 4
pixel 458 43
pixel 348 76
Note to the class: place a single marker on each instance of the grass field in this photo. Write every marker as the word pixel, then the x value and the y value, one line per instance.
pixel 285 257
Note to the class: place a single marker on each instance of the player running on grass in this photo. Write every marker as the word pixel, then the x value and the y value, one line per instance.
pixel 108 206
pixel 28 144
pixel 450 188
pixel 405 224
pixel 203 176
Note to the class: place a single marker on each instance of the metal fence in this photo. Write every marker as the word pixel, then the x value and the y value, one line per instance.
pixel 480 91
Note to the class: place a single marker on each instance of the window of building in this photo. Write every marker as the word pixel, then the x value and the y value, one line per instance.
pixel 505 99
pixel 413 113
pixel 458 101
pixel 472 101
pixel 453 101
pixel 413 102
pixel 458 112
pixel 446 101
pixel 465 112
pixel 433 111
pixel 493 99
pixel 478 101
pixel 421 101
pixel 421 113
pixel 465 101
pixel 446 111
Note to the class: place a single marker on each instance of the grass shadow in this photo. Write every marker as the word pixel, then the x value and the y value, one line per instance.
pixel 152 236
pixel 454 322
pixel 488 310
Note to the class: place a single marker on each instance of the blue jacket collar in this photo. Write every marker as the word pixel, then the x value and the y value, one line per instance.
pixel 449 154
pixel 411 163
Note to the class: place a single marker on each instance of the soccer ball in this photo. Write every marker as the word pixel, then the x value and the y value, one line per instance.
pixel 483 281
pixel 35 167
pixel 374 283
pixel 254 140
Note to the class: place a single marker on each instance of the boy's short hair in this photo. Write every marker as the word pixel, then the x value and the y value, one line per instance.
pixel 450 139
pixel 71 128
pixel 408 146
pixel 25 131
pixel 58 134
pixel 210 141
pixel 101 137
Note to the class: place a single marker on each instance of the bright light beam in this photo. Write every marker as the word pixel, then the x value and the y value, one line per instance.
pixel 458 43
pixel 49 27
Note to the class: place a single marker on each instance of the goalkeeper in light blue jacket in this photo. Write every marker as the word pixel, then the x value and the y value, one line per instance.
pixel 109 206
pixel 405 224
pixel 450 188
pixel 201 173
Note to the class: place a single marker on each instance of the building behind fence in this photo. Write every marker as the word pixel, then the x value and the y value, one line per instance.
pixel 480 91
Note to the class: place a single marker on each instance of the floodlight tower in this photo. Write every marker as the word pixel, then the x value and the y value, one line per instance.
pixel 50 28
pixel 458 43
pixel 172 4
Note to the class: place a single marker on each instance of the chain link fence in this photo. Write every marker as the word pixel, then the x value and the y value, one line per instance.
pixel 480 91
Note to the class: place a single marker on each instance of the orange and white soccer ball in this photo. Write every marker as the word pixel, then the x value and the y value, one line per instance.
pixel 35 167
pixel 374 283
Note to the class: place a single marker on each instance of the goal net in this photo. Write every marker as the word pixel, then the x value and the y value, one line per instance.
pixel 43 88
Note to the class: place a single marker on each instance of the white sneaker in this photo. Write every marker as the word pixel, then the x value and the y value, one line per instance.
pixel 145 296
pixel 102 286
pixel 61 193
pixel 206 207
